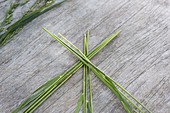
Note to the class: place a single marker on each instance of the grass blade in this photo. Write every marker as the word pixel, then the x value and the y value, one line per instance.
pixel 90 103
pixel 129 95
pixel 80 101
pixel 89 108
pixel 44 96
pixel 85 78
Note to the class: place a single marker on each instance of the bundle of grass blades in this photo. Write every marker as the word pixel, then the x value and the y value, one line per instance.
pixel 85 98
pixel 35 11
pixel 130 103
pixel 46 90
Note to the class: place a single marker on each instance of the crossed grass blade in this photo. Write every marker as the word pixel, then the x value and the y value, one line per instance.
pixel 129 107
pixel 88 76
pixel 85 95
pixel 59 80
pixel 87 106
pixel 90 103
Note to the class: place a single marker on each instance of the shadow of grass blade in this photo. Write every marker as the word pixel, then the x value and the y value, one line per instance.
pixel 18 25
pixel 70 71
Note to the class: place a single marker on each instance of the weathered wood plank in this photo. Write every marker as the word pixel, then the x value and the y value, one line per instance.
pixel 139 59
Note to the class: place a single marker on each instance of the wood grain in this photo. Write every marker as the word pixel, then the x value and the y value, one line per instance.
pixel 139 58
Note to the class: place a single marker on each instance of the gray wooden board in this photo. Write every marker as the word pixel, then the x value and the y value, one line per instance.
pixel 139 58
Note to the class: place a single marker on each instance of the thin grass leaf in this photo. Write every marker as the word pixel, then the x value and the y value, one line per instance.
pixel 62 79
pixel 90 103
pixel 84 78
pixel 26 102
pixel 89 108
pixel 47 84
pixel 80 102
pixel 129 95
pixel 86 38
pixel 71 44
pixel 36 94
pixel 43 97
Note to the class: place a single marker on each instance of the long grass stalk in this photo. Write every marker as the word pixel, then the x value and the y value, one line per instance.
pixel 87 105
pixel 89 81
pixel 42 90
pixel 80 102
pixel 111 85
pixel 85 99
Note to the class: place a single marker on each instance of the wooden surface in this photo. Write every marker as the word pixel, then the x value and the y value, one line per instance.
pixel 139 58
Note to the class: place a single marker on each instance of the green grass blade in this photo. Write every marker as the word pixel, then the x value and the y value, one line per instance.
pixel 104 43
pixel 36 94
pixel 90 103
pixel 80 101
pixel 26 102
pixel 117 84
pixel 85 78
pixel 44 96
pixel 48 83
pixel 89 107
